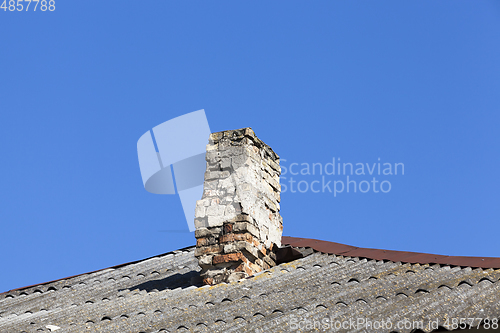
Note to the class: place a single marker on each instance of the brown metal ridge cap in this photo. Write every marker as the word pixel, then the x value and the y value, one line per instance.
pixel 391 255
pixel 318 245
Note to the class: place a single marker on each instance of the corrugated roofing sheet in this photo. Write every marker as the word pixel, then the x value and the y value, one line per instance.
pixel 158 295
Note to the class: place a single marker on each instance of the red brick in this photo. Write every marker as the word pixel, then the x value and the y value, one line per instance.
pixel 208 250
pixel 243 237
pixel 231 257
pixel 240 268
pixel 236 237
pixel 255 267
pixel 249 271
pixel 206 241
pixel 208 280
pixel 244 268
pixel 226 238
pixel 228 228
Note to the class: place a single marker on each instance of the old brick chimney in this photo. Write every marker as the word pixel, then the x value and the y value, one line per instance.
pixel 238 224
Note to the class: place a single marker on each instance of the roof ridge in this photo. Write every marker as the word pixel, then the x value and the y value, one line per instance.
pixel 338 249
pixel 392 255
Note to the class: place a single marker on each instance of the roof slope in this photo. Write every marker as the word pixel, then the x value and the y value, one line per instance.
pixel 157 295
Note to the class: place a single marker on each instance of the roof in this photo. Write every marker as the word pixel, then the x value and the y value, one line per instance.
pixel 331 280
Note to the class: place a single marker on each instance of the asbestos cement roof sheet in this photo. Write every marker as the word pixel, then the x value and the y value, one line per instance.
pixel 161 294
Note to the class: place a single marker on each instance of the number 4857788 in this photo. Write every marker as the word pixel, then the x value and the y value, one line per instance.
pixel 20 5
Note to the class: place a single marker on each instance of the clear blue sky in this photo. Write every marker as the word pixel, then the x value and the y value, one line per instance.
pixel 413 82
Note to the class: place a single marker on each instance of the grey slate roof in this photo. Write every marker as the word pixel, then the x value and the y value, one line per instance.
pixel 157 295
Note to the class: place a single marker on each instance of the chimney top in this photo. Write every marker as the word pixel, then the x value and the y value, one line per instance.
pixel 238 224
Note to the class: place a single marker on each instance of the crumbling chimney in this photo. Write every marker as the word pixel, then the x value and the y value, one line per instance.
pixel 238 224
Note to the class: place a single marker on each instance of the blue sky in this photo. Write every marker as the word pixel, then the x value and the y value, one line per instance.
pixel 413 82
